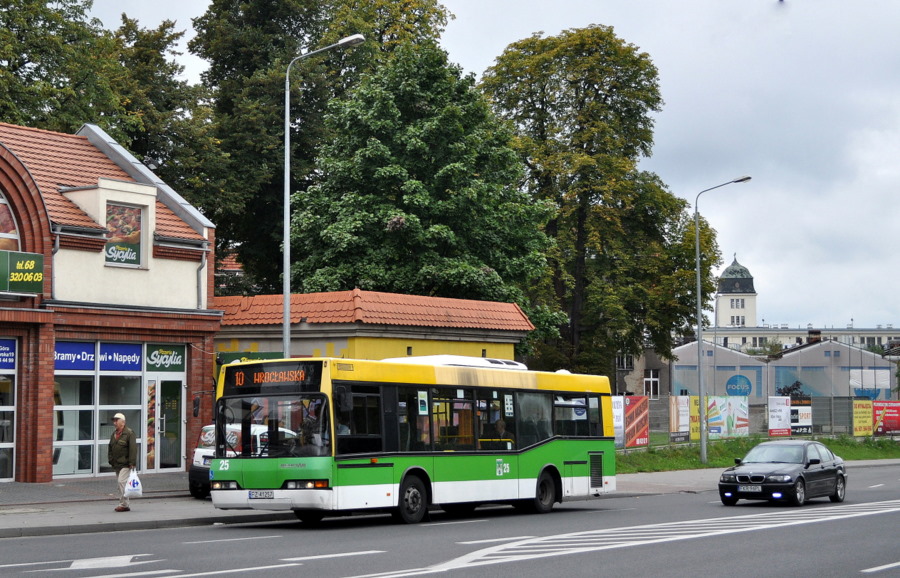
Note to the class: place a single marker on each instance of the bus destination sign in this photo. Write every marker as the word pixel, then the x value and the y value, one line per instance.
pixel 21 272
pixel 269 377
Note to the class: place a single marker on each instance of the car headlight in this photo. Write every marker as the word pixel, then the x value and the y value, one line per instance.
pixel 778 478
pixel 728 478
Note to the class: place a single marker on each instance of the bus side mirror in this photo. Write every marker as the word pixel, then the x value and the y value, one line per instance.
pixel 197 406
pixel 343 399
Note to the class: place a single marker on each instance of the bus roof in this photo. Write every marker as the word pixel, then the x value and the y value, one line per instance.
pixel 460 361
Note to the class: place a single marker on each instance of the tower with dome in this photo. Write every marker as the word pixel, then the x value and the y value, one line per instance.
pixel 735 298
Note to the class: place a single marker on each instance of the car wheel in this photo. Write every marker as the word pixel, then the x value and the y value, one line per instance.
pixel 198 491
pixel 840 488
pixel 413 501
pixel 728 501
pixel 798 498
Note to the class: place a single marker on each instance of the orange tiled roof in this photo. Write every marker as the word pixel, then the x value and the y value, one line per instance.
pixel 229 263
pixel 58 161
pixel 373 307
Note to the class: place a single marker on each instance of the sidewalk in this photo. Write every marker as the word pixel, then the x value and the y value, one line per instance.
pixel 84 505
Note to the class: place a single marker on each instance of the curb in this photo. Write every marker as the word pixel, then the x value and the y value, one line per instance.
pixel 63 530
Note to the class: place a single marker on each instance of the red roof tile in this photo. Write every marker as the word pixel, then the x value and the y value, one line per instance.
pixel 373 307
pixel 229 263
pixel 58 161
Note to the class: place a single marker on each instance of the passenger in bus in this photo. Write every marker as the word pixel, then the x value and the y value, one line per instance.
pixel 340 427
pixel 500 432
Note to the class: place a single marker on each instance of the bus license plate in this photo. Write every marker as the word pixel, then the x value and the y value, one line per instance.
pixel 262 494
pixel 746 489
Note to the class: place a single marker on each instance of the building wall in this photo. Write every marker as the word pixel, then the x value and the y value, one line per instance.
pixel 319 345
pixel 725 311
pixel 89 303
pixel 157 282
pixel 164 283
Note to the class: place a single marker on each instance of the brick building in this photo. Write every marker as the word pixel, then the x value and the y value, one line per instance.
pixel 105 279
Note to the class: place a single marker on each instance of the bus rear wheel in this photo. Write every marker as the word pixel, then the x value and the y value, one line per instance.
pixel 413 501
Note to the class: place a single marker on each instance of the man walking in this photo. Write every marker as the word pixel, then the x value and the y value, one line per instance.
pixel 122 457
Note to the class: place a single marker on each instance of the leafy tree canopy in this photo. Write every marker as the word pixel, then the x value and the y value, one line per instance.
pixel 58 68
pixel 248 44
pixel 416 192
pixel 581 103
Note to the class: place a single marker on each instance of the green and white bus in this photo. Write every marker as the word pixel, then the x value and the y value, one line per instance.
pixel 405 435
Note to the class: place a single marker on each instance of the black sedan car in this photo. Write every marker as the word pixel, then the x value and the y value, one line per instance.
pixel 785 470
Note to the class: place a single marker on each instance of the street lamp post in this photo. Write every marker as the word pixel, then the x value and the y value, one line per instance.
pixel 286 266
pixel 701 387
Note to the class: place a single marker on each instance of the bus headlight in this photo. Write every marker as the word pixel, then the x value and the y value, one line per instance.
pixel 306 485
pixel 223 485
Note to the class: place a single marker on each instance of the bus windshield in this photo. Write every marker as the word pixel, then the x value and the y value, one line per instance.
pixel 259 426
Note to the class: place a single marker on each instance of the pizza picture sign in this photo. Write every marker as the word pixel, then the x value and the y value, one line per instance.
pixel 123 225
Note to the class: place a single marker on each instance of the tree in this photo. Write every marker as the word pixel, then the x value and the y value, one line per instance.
pixel 416 191
pixel 581 103
pixel 170 124
pixel 793 390
pixel 58 68
pixel 248 44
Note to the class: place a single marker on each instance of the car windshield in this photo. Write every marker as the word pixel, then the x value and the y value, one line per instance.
pixel 775 454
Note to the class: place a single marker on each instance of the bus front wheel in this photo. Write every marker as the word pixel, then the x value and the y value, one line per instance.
pixel 413 501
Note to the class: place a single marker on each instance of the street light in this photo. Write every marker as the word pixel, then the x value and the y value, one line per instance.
pixel 700 385
pixel 286 268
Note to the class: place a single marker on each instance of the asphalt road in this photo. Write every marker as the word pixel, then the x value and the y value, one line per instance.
pixel 680 534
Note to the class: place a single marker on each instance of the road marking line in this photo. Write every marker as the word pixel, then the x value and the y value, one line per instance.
pixel 338 555
pixel 510 539
pixel 232 539
pixel 880 568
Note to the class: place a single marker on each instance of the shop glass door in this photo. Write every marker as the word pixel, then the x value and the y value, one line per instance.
pixel 165 423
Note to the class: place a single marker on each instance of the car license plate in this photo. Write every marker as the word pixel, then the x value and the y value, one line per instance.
pixel 206 460
pixel 749 488
pixel 262 494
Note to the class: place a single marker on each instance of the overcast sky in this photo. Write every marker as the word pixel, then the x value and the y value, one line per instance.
pixel 802 95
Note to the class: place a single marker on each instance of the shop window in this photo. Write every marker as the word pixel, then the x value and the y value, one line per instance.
pixel 7 415
pixel 9 233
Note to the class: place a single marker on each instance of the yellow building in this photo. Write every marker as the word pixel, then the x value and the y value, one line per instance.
pixel 369 325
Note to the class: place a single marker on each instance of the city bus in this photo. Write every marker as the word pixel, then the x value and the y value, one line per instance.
pixel 407 435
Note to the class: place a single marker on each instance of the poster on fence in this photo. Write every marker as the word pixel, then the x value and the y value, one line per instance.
pixel 779 416
pixel 727 416
pixel 862 417
pixel 618 408
pixel 679 419
pixel 637 421
pixel 886 418
pixel 801 415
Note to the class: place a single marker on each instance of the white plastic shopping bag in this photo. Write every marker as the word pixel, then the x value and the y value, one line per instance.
pixel 133 488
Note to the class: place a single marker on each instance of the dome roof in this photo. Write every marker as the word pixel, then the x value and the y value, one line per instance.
pixel 736 279
pixel 736 271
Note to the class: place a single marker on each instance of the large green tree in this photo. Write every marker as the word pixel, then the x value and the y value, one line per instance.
pixel 248 45
pixel 58 67
pixel 168 122
pixel 416 191
pixel 582 105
